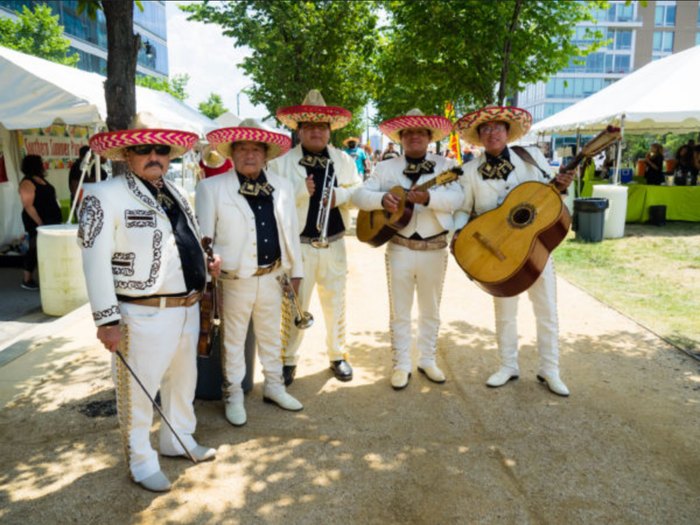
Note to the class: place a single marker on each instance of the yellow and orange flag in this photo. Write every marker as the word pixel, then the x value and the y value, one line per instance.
pixel 454 137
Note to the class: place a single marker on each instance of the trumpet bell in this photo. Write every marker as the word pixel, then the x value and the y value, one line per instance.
pixel 212 158
pixel 305 321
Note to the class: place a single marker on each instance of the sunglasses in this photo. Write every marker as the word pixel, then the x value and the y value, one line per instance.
pixel 145 149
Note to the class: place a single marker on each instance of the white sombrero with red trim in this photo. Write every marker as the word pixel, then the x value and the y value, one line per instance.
pixel 144 130
pixel 438 126
pixel 519 122
pixel 314 109
pixel 249 130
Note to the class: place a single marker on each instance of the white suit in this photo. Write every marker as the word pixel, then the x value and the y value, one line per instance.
pixel 482 195
pixel 326 268
pixel 129 249
pixel 225 216
pixel 412 271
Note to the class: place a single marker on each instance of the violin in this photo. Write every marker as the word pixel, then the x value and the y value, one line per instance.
pixel 209 309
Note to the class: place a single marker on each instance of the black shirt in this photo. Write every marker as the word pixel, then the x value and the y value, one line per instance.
pixel 45 204
pixel 265 223
pixel 318 172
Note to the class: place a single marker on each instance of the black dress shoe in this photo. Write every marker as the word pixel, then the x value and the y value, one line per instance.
pixel 288 373
pixel 342 370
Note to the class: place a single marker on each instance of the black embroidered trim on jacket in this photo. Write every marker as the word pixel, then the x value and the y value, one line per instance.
pixel 184 204
pixel 155 267
pixel 146 199
pixel 91 221
pixel 103 314
pixel 140 218
pixel 123 263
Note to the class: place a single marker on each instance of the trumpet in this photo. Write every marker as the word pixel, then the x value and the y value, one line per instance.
pixel 302 319
pixel 324 209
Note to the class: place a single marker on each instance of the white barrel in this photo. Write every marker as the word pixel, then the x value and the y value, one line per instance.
pixel 616 213
pixel 60 268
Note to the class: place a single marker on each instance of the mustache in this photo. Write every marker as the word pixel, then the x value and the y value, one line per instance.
pixel 154 163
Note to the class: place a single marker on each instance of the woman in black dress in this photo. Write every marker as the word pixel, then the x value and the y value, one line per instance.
pixel 40 208
pixel 654 173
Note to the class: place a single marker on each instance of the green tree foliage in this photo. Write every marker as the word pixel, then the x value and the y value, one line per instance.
pixel 176 86
pixel 466 48
pixel 213 106
pixel 297 45
pixel 37 33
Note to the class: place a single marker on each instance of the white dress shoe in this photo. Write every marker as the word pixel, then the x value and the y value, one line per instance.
pixel 156 482
pixel 399 379
pixel 283 400
pixel 235 413
pixel 554 383
pixel 433 373
pixel 199 453
pixel 501 377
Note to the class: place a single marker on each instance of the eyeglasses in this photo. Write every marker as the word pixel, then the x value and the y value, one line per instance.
pixel 492 128
pixel 145 149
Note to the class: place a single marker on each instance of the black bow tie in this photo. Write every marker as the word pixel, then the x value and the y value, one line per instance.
pixel 415 168
pixel 496 167
pixel 312 161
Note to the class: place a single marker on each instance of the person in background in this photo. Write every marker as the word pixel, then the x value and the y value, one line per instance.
pixel 358 154
pixel 39 208
pixel 76 171
pixel 390 152
pixel 654 160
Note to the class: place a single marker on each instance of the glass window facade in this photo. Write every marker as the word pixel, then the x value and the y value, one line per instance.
pixel 662 44
pixel 618 11
pixel 665 14
pixel 563 87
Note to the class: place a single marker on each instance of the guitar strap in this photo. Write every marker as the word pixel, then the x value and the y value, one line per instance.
pixel 526 157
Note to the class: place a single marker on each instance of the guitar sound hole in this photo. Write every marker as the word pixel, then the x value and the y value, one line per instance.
pixel 522 216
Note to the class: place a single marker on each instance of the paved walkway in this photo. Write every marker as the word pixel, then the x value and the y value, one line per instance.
pixel 624 448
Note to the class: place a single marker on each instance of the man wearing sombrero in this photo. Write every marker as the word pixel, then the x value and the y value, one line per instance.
pixel 145 271
pixel 352 148
pixel 307 166
pixel 486 182
pixel 249 213
pixel 416 257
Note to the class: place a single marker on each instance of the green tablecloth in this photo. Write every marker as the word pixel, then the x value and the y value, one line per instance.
pixel 682 202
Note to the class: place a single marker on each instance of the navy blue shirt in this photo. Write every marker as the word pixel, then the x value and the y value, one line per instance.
pixel 318 171
pixel 265 223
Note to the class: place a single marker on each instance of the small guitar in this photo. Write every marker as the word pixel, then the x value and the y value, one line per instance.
pixel 505 250
pixel 378 226
pixel 209 309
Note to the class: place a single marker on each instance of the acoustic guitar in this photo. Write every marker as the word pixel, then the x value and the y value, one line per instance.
pixel 209 309
pixel 376 227
pixel 505 250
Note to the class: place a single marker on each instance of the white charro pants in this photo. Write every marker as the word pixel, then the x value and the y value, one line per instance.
pixel 421 273
pixel 326 269
pixel 160 345
pixel 543 294
pixel 259 298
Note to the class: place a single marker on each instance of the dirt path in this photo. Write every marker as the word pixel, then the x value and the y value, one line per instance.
pixel 624 448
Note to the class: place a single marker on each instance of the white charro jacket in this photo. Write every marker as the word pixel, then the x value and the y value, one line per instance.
pixel 226 217
pixel 482 195
pixel 347 177
pixel 128 244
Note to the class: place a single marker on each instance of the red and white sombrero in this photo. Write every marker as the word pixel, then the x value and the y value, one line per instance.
pixel 519 122
pixel 438 126
pixel 314 109
pixel 144 130
pixel 249 130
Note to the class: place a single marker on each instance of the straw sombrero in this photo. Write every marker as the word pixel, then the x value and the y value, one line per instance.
pixel 314 109
pixel 438 126
pixel 143 130
pixel 249 130
pixel 351 139
pixel 519 122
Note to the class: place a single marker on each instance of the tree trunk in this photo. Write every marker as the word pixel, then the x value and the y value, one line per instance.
pixel 506 52
pixel 122 51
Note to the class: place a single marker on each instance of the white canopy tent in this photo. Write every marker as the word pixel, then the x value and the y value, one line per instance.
pixel 35 92
pixel 659 97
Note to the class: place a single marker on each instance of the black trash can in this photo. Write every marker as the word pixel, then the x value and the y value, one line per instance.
pixel 589 218
pixel 210 375
pixel 657 215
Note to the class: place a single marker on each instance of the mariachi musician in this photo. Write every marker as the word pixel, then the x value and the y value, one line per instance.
pixel 145 271
pixel 416 257
pixel 486 182
pixel 312 166
pixel 250 215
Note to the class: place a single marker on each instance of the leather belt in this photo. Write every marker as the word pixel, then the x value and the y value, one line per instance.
pixel 434 243
pixel 163 301
pixel 262 270
pixel 307 240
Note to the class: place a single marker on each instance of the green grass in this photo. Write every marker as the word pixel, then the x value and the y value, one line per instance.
pixel 652 275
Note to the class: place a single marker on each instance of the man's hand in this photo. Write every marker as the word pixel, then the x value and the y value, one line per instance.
pixel 332 200
pixel 215 266
pixel 563 179
pixel 296 283
pixel 310 186
pixel 109 336
pixel 418 197
pixel 390 202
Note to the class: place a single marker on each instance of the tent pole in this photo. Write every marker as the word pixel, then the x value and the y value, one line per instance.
pixel 578 168
pixel 616 173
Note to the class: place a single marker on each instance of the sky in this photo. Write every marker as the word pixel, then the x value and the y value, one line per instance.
pixel 210 59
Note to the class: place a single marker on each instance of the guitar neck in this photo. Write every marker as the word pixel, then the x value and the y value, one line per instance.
pixel 432 182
